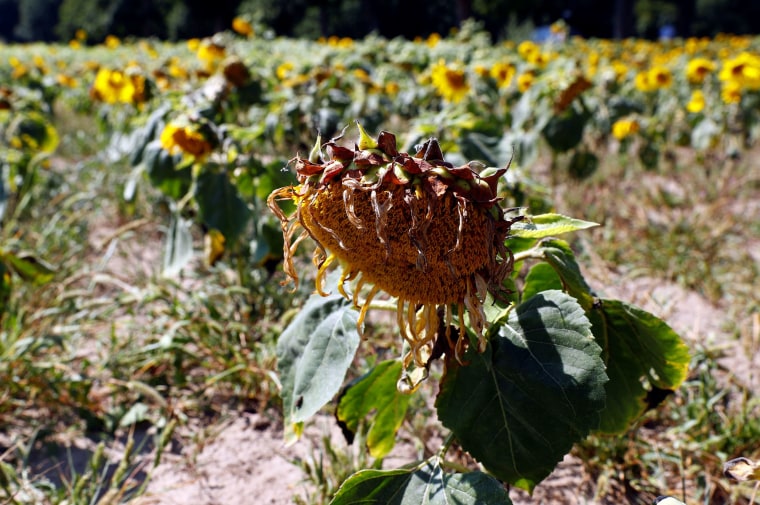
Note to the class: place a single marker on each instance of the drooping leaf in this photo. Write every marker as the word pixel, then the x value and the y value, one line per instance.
pixel 164 173
pixel 425 483
pixel 638 347
pixel 178 246
pixel 548 225
pixel 314 353
pixel 375 394
pixel 141 137
pixel 560 256
pixel 520 406
pixel 220 205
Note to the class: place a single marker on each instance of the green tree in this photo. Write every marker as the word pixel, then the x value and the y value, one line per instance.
pixel 37 20
pixel 8 18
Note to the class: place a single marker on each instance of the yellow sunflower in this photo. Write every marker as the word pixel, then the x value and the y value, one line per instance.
pixel 117 86
pixel 623 128
pixel 699 68
pixel 503 73
pixel 449 82
pixel 415 227
pixel 179 137
pixel 696 103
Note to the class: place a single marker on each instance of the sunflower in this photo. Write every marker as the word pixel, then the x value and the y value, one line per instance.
pixel 696 103
pixel 117 86
pixel 624 128
pixel 449 82
pixel 503 73
pixel 415 227
pixel 180 136
pixel 698 69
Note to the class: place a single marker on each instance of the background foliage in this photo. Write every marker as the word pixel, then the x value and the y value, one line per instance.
pixel 57 20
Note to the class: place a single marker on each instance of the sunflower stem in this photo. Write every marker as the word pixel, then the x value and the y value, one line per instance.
pixel 446 445
pixel 534 253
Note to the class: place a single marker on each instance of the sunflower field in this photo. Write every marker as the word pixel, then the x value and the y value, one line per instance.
pixel 416 236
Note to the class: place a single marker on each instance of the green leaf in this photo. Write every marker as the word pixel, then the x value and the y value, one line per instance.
pixel 642 353
pixel 541 277
pixel 548 225
pixel 163 172
pixel 141 137
pixel 520 406
pixel 29 268
pixel 375 394
pixel 425 483
pixel 482 147
pixel 314 353
pixel 583 164
pixel 178 246
pixel 220 204
pixel 565 131
pixel 561 257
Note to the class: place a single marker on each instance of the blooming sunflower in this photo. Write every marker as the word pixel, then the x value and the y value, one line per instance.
pixel 449 82
pixel 416 227
pixel 624 128
pixel 191 139
pixel 698 69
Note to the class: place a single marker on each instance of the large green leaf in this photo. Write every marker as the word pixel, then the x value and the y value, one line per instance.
pixel 547 225
pixel 541 277
pixel 520 406
pixel 313 355
pixel 643 355
pixel 425 483
pixel 375 394
pixel 220 204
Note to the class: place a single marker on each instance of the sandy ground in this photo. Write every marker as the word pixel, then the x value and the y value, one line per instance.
pixel 247 462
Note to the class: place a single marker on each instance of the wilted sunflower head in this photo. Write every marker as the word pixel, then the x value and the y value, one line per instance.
pixel 414 226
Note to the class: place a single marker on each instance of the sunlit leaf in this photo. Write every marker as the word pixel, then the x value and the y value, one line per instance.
pixel 314 353
pixel 520 406
pixel 548 225
pixel 425 483
pixel 374 398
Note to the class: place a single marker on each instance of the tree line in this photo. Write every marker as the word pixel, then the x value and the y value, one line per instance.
pixel 58 20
